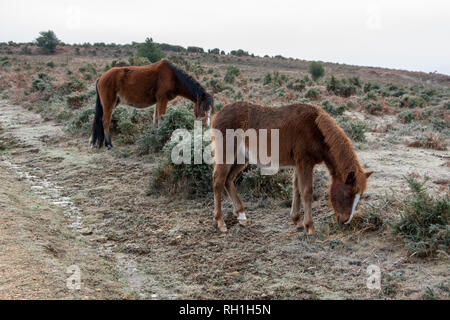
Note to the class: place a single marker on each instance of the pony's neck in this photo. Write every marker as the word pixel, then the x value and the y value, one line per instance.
pixel 185 93
pixel 339 156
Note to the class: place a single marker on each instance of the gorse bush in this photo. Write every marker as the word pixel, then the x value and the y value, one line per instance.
pixel 43 82
pixel 332 109
pixel 313 94
pixel 368 86
pixel 316 70
pixel 297 85
pixel 153 140
pixel 253 183
pixel 191 180
pixel 82 120
pixel 276 79
pixel 424 221
pixel 138 61
pixel 232 73
pixel 410 101
pixel 374 108
pixel 340 87
pixel 355 129
pixel 76 101
pixel 215 85
pixel 123 122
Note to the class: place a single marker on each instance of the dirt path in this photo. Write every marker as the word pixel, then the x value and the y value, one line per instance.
pixel 97 212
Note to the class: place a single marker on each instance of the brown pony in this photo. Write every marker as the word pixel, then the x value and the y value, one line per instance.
pixel 141 87
pixel 307 136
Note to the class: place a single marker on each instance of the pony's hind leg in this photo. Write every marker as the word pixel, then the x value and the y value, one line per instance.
pixel 107 115
pixel 220 174
pixel 306 188
pixel 160 110
pixel 296 201
pixel 238 206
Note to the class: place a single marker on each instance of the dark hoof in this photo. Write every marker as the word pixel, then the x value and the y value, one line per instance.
pixel 109 147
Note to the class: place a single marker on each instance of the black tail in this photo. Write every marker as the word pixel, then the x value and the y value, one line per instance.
pixel 98 135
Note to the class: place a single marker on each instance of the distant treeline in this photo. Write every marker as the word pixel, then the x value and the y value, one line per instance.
pixel 163 46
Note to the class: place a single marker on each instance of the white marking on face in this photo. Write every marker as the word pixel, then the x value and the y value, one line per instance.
pixel 242 216
pixel 208 121
pixel 355 203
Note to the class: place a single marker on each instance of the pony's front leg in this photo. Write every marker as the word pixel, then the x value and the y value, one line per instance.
pixel 306 187
pixel 296 201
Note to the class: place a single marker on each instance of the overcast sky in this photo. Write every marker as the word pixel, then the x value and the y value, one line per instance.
pixel 412 35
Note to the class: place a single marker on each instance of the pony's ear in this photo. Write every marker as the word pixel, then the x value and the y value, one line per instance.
pixel 368 174
pixel 350 178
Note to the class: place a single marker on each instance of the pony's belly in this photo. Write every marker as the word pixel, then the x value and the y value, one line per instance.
pixel 141 104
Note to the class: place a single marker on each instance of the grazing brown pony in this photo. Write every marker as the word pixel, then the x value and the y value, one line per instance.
pixel 141 87
pixel 307 136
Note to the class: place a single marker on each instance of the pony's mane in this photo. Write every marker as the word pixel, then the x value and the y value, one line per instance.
pixel 188 81
pixel 340 146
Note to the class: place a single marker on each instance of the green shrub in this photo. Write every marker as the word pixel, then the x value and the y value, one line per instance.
pixel 341 87
pixel 192 180
pixel 277 186
pixel 316 70
pixel 407 116
pixel 123 121
pixel 153 140
pixel 424 221
pixel 42 83
pixel 332 109
pixel 313 94
pixel 368 86
pixel 76 101
pixel 215 85
pixel 298 85
pixel 393 90
pixel 374 108
pixel 150 50
pixel 138 61
pixel 232 73
pixel 370 96
pixel 88 68
pixel 355 129
pixel 82 120
pixel 410 101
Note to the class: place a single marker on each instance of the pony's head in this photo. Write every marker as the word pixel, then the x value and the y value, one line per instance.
pixel 344 195
pixel 203 107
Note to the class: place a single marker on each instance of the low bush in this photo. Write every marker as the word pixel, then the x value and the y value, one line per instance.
pixel 374 108
pixel 76 101
pixel 410 101
pixel 153 140
pixel 355 129
pixel 232 73
pixel 341 87
pixel 298 85
pixel 424 221
pixel 332 109
pixel 313 94
pixel 188 180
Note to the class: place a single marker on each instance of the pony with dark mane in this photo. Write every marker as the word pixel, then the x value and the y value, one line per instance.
pixel 307 136
pixel 141 87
